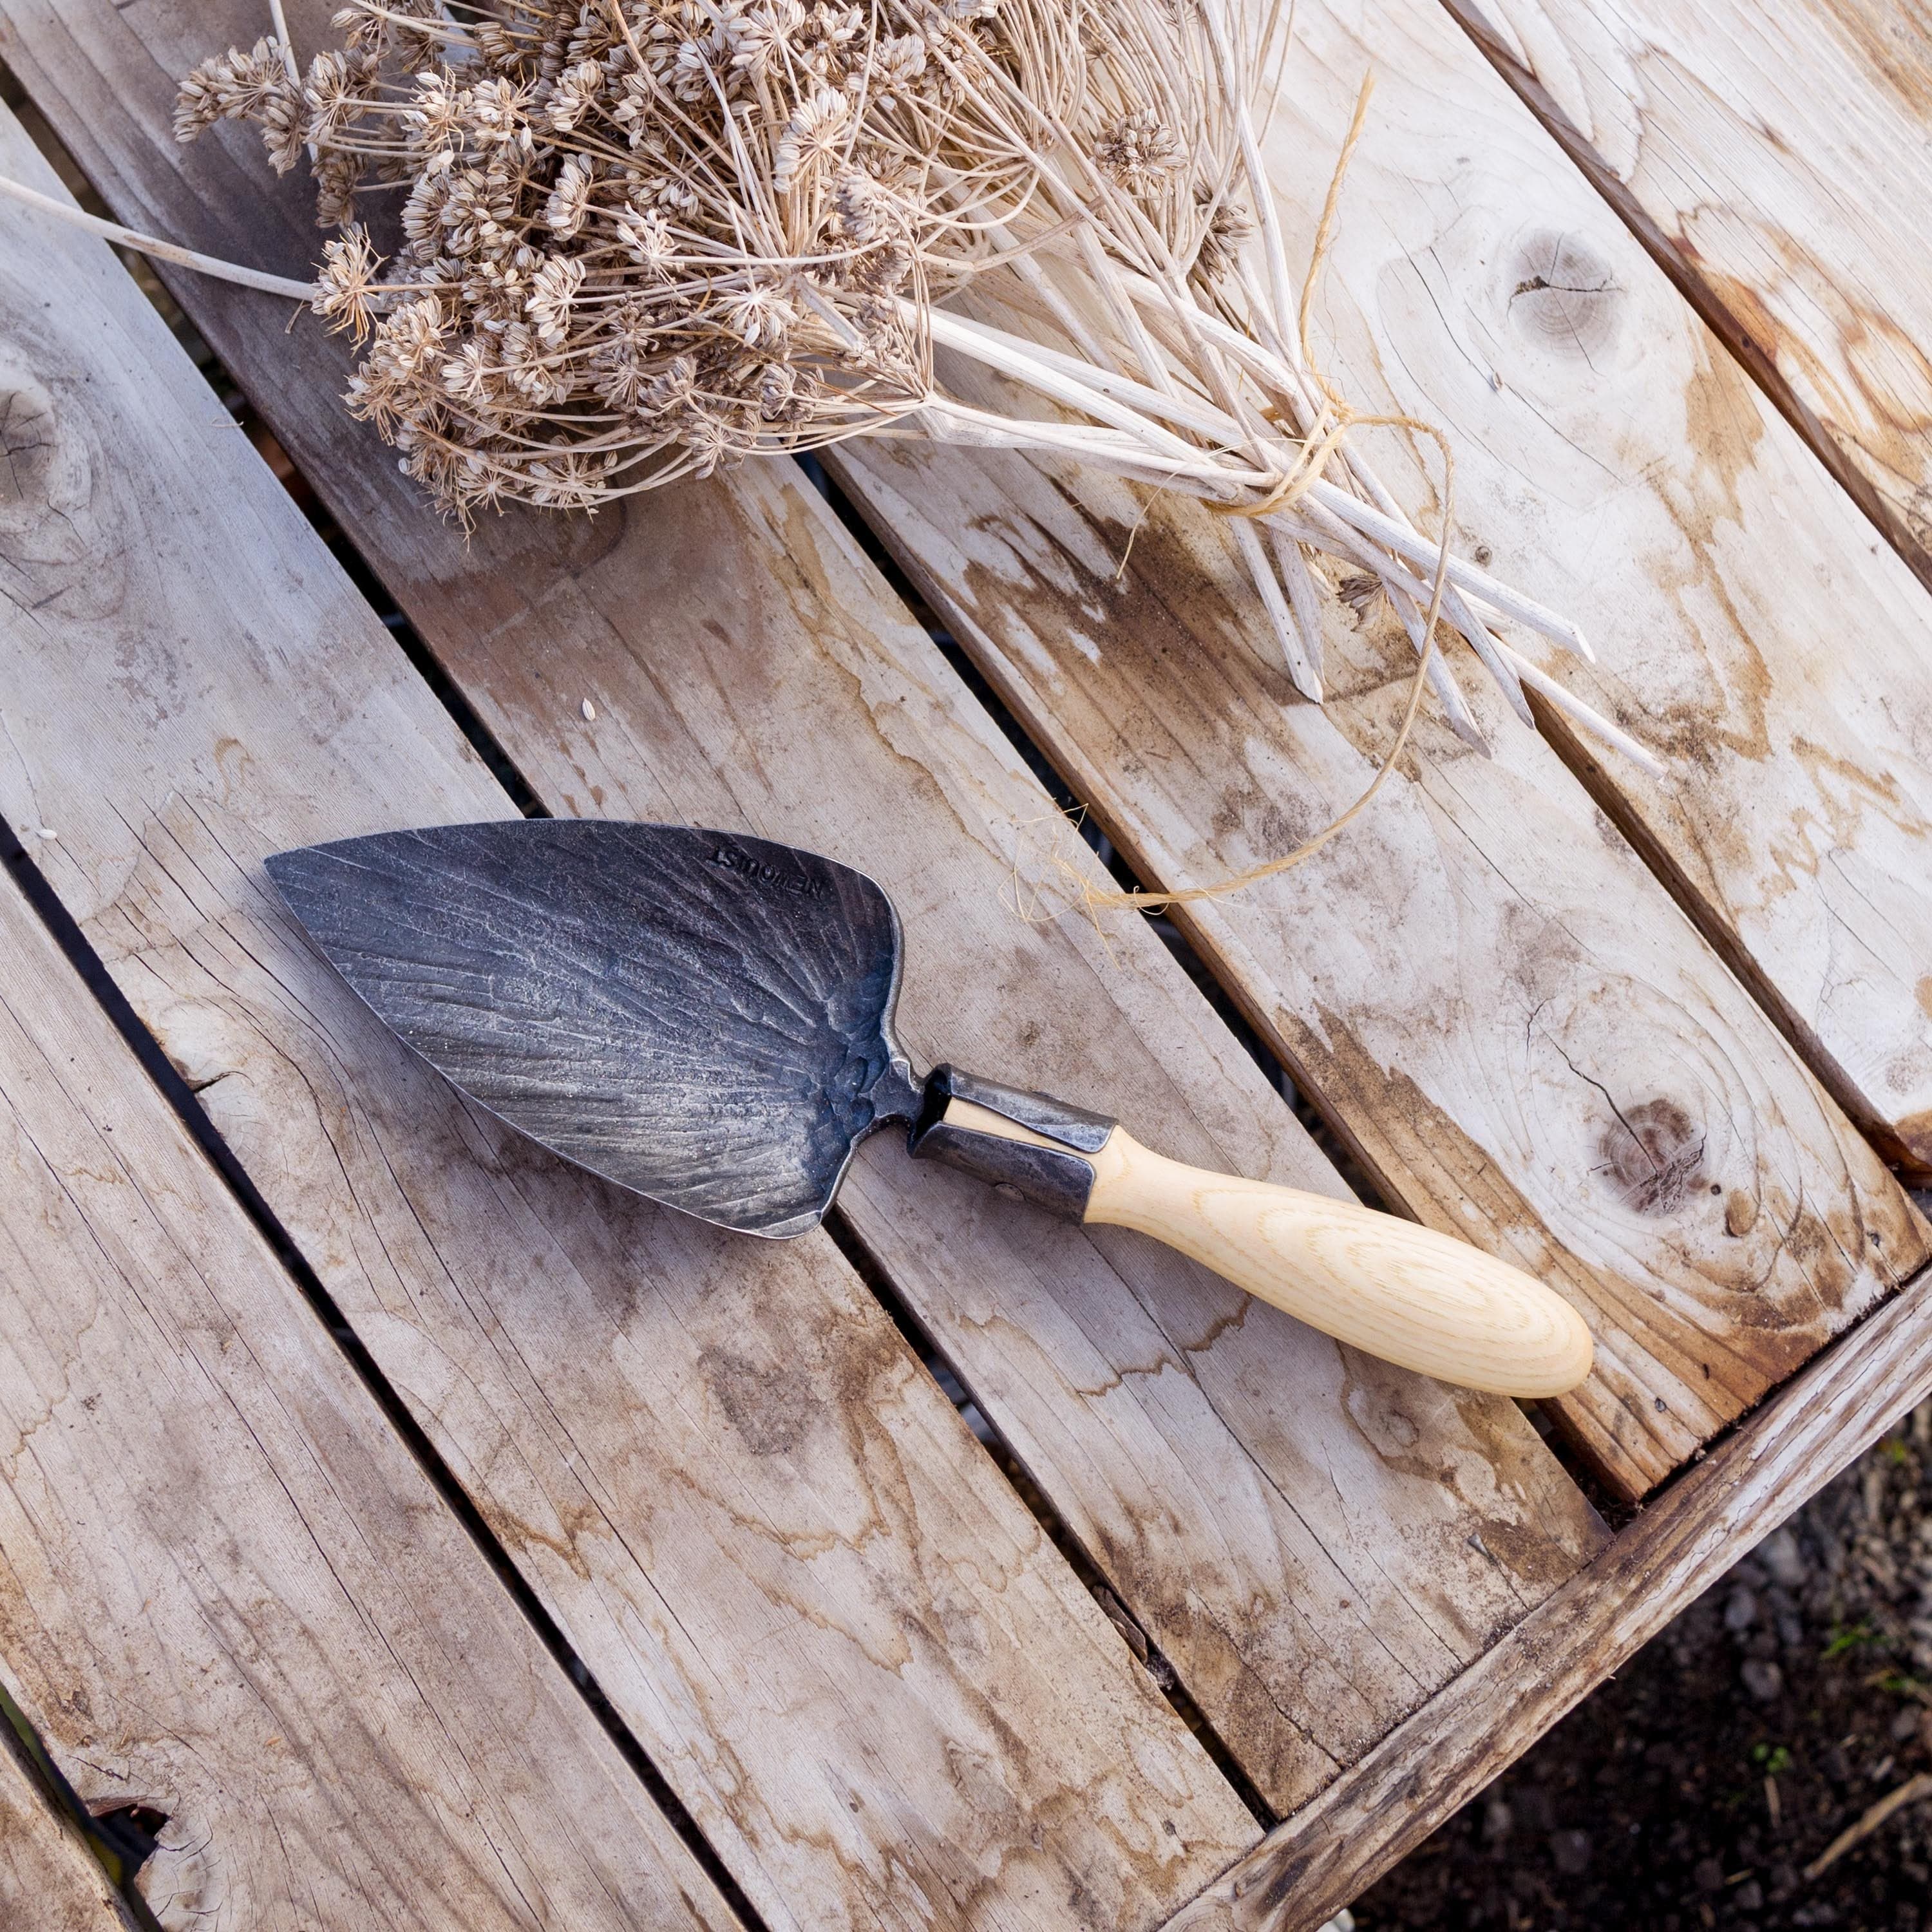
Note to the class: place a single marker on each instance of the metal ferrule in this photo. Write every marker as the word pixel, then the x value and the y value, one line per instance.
pixel 1060 1178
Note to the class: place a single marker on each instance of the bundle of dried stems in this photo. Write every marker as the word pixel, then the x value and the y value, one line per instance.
pixel 640 239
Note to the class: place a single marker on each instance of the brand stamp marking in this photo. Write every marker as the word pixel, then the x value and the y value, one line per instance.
pixel 746 867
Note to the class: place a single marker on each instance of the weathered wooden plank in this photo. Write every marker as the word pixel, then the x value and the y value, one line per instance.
pixel 1257 1498
pixel 48 1880
pixel 1385 1805
pixel 1774 162
pixel 1479 982
pixel 227 1591
pixel 879 1690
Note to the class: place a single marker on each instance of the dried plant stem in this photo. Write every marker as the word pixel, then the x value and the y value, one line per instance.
pixel 1233 83
pixel 1574 708
pixel 1117 400
pixel 148 244
pixel 1915 1788
pixel 279 19
pixel 1302 596
pixel 1386 526
pixel 1407 543
pixel 1010 356
pixel 1482 641
pixel 1094 901
pixel 958 423
pixel 1301 643
pixel 1015 357
pixel 1455 706
pixel 1165 460
pixel 1301 670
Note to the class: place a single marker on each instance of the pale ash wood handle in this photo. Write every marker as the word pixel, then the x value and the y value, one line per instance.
pixel 1404 1292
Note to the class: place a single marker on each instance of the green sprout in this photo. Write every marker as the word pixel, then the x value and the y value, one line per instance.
pixel 1859 1637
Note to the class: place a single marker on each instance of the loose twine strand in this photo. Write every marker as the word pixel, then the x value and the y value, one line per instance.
pixel 1307 469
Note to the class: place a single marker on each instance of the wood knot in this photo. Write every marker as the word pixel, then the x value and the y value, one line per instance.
pixel 1564 295
pixel 28 445
pixel 1654 1153
pixel 46 485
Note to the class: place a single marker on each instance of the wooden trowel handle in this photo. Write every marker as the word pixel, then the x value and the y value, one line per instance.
pixel 1401 1291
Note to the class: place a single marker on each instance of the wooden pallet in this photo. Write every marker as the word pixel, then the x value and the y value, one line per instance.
pixel 328 1464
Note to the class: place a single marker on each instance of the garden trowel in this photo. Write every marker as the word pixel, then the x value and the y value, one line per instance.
pixel 707 1019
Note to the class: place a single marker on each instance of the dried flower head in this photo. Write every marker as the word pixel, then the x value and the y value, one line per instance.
pixel 346 288
pixel 1140 152
pixel 786 184
pixel 233 86
pixel 791 184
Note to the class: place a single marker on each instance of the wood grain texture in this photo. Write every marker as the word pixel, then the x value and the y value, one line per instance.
pixel 1383 1806
pixel 227 1592
pixel 1775 162
pixel 1315 1542
pixel 1403 1293
pixel 49 1880
pixel 1258 1497
pixel 1479 982
pixel 878 1688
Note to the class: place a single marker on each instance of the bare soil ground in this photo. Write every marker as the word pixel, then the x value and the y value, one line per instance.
pixel 1704 1787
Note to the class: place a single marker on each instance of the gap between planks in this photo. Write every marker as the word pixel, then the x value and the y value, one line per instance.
pixel 50 1881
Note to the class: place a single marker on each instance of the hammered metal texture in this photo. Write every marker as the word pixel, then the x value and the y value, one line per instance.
pixel 704 1018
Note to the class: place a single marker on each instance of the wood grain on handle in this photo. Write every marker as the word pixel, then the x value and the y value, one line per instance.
pixel 1400 1291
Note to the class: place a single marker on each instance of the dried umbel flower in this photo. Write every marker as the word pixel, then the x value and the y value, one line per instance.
pixel 642 239
pixel 1140 152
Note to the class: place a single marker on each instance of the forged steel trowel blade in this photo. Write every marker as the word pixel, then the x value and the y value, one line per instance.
pixel 704 1018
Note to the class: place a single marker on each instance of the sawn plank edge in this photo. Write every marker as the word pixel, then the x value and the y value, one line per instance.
pixel 42 1860
pixel 1774 1460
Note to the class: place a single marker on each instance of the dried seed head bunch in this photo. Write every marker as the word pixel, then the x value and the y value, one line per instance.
pixel 640 239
